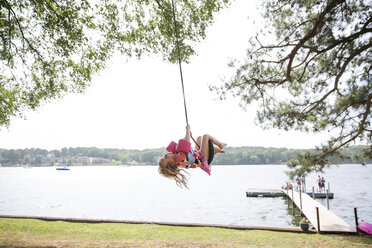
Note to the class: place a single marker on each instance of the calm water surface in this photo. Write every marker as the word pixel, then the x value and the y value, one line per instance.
pixel 139 193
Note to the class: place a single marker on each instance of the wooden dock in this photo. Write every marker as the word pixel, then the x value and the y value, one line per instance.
pixel 264 193
pixel 328 221
pixel 279 193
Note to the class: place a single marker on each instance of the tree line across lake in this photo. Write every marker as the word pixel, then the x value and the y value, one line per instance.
pixel 99 156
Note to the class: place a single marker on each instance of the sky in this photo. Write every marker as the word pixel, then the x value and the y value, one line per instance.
pixel 138 104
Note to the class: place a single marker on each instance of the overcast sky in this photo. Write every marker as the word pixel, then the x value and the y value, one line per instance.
pixel 138 104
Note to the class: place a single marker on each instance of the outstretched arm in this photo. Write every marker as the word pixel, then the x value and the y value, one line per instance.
pixel 188 133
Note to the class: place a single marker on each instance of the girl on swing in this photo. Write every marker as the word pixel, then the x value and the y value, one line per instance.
pixel 181 155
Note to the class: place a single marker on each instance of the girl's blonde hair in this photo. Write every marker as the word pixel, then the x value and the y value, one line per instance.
pixel 172 171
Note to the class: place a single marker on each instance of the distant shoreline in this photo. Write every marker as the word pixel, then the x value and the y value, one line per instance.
pixel 154 165
pixel 91 156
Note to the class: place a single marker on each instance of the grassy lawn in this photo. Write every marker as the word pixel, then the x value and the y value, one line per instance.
pixel 37 233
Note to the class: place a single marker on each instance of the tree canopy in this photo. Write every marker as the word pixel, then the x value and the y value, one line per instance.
pixel 51 47
pixel 309 69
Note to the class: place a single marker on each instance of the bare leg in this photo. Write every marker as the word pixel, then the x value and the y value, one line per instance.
pixel 198 141
pixel 204 144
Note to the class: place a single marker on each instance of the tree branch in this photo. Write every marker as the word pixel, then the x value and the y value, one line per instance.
pixel 290 34
pixel 319 23
pixel 23 35
pixel 360 130
pixel 341 72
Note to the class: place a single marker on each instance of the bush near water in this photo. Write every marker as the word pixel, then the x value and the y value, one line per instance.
pixel 97 156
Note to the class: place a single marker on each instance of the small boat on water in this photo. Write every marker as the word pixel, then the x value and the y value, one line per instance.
pixel 62 168
pixel 365 227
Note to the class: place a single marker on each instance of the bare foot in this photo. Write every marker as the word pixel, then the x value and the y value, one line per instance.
pixel 218 150
pixel 222 145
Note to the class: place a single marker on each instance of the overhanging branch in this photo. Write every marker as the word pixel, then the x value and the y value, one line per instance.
pixel 356 135
pixel 319 23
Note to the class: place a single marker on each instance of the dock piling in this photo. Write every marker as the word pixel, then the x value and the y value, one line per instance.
pixel 313 193
pixel 356 220
pixel 300 199
pixel 327 199
pixel 292 198
pixel 287 197
pixel 293 205
pixel 329 187
pixel 317 218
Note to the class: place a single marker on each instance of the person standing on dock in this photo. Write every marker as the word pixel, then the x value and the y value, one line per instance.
pixel 322 183
pixel 289 185
pixel 319 184
pixel 298 180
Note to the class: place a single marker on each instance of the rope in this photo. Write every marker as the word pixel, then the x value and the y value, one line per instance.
pixel 179 60
pixel 180 66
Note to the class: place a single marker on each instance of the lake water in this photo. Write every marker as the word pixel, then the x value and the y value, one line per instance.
pixel 139 193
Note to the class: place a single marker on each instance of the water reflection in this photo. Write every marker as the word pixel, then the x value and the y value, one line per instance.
pixel 293 211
